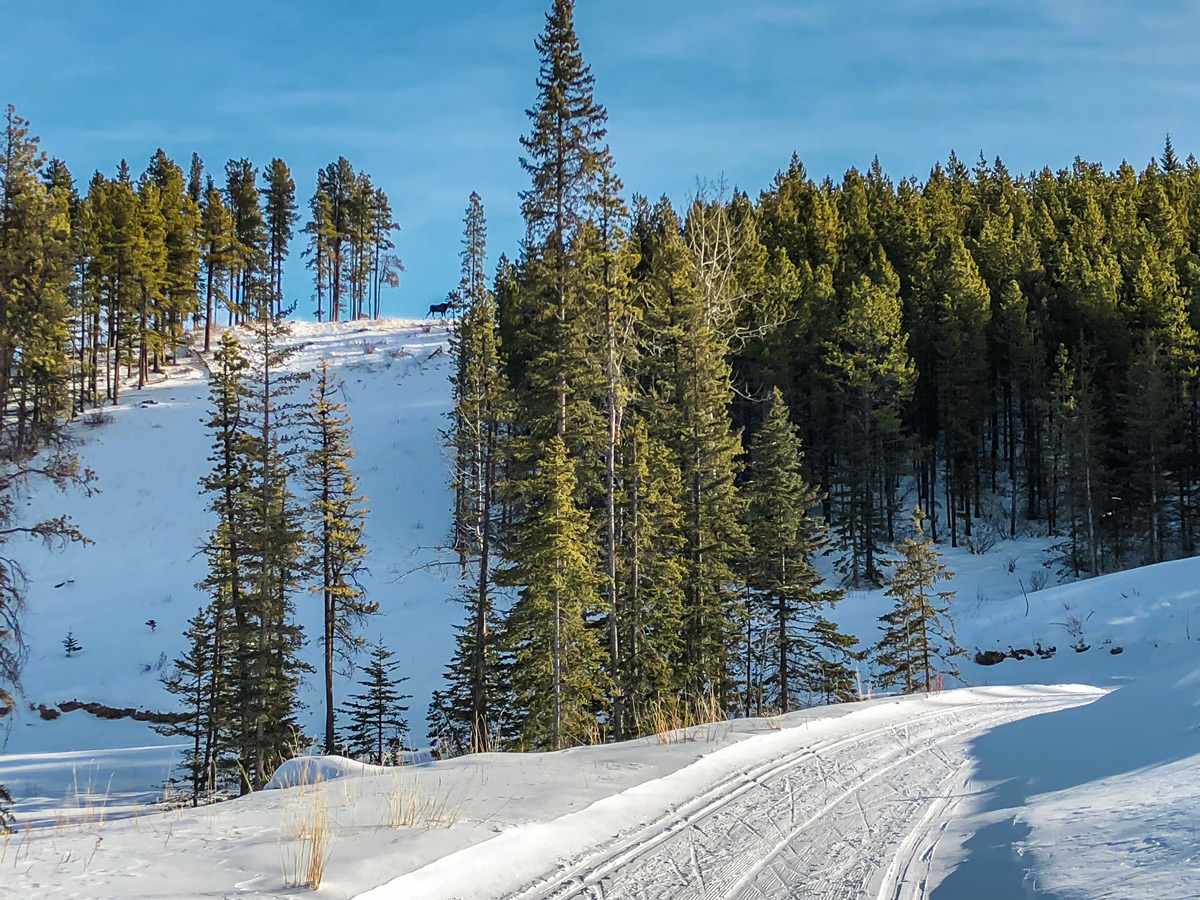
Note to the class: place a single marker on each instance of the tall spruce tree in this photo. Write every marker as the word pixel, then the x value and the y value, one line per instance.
pixel 784 540
pixel 337 550
pixel 227 548
pixel 564 158
pixel 480 422
pixel 688 381
pixel 276 548
pixel 559 679
pixel 650 575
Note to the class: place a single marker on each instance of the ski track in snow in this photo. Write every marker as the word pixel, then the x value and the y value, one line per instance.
pixel 850 817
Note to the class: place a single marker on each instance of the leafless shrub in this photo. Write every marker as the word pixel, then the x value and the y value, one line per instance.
pixel 986 535
pixel 1038 580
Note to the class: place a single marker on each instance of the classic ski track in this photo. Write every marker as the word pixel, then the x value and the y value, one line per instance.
pixel 853 791
pixel 626 848
pixel 919 845
pixel 586 877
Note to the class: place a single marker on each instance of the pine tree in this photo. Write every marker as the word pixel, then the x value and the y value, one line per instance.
pixel 216 229
pixel 565 148
pixel 480 422
pixel 1152 413
pixel 36 271
pixel 227 549
pixel 829 674
pixel 248 249
pixel 276 547
pixel 918 643
pixel 650 575
pixel 191 680
pixel 337 521
pixel 784 539
pixel 565 157
pixel 963 312
pixel 151 273
pixel 384 266
pixel 558 674
pixel 377 725
pixel 872 378
pixel 71 645
pixel 196 182
pixel 608 276
pixel 180 256
pixel 687 378
pixel 332 207
pixel 321 235
pixel 1169 161
pixel 1077 453
pixel 279 195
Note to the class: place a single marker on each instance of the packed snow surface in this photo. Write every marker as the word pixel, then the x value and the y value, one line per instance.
pixel 1002 790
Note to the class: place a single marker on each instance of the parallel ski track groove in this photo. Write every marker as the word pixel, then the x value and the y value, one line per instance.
pixel 584 877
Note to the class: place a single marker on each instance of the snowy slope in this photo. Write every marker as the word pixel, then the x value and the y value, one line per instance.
pixel 1139 611
pixel 149 520
pixel 1016 791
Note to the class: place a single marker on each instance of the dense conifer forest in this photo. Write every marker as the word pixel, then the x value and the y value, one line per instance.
pixel 666 416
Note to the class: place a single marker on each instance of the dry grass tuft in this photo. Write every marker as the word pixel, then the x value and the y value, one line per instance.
pixel 408 807
pixel 677 721
pixel 306 836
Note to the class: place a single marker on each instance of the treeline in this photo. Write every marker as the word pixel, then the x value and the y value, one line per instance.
pixel 36 274
pixel 1015 352
pixel 661 419
pixel 114 274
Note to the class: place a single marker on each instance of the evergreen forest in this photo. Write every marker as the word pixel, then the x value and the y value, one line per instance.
pixel 670 419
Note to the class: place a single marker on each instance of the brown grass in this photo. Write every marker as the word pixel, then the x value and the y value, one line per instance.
pixel 306 836
pixel 677 721
pixel 408 807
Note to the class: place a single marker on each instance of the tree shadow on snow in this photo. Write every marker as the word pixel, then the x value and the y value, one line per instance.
pixel 1147 723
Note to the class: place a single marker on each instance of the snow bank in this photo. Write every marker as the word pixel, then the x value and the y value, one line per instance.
pixel 312 770
pixel 1099 800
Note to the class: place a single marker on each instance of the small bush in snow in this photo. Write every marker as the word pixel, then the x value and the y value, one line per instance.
pixel 986 535
pixel 97 419
pixel 71 645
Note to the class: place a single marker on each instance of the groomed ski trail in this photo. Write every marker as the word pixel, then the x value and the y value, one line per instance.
pixel 851 815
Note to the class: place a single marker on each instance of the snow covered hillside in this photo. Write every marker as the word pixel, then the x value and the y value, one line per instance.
pixel 1069 770
pixel 149 520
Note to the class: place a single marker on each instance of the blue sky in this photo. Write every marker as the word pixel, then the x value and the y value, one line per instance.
pixel 429 98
